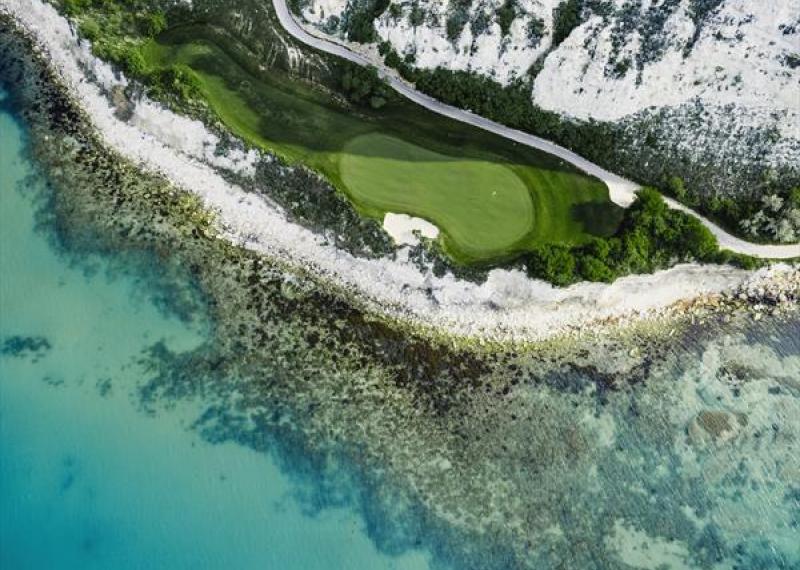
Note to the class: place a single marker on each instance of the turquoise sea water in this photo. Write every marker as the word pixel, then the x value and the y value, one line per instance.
pixel 689 458
pixel 87 478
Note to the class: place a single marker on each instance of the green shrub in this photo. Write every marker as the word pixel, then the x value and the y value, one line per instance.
pixel 152 24
pixel 132 61
pixel 417 16
pixel 392 59
pixel 75 7
pixel 89 29
pixel 455 24
pixel 650 237
pixel 593 269
pixel 794 197
pixel 553 263
pixel 359 24
pixel 567 17
pixel 360 28
pixel 363 85
pixel 677 188
pixel 535 31
pixel 179 80
pixel 505 16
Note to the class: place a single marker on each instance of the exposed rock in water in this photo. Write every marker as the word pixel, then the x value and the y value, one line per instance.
pixel 122 105
pixel 715 426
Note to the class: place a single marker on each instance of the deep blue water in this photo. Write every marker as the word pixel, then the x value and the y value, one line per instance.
pixel 87 479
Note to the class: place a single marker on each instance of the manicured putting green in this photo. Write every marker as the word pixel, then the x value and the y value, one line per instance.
pixel 482 208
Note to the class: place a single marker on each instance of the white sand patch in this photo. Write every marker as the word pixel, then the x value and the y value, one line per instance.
pixel 639 550
pixel 404 228
pixel 507 306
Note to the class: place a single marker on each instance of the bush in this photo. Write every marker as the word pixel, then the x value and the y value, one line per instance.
pixel 794 197
pixel 553 263
pixel 392 59
pixel 360 28
pixel 179 80
pixel 359 23
pixel 152 24
pixel 505 16
pixel 479 24
pixel 593 269
pixel 363 86
pixel 417 16
pixel 89 29
pixel 535 31
pixel 132 61
pixel 567 17
pixel 75 7
pixel 650 237
pixel 677 188
pixel 455 24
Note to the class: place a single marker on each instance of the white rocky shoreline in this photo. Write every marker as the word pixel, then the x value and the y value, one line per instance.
pixel 772 291
pixel 507 307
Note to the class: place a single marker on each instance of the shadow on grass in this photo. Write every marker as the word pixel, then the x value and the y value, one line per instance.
pixel 599 219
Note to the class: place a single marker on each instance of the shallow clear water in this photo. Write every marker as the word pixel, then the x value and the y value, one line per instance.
pixel 88 479
pixel 690 459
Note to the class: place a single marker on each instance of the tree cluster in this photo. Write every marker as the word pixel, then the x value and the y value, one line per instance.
pixel 567 17
pixel 512 106
pixel 359 22
pixel 363 86
pixel 650 237
pixel 505 16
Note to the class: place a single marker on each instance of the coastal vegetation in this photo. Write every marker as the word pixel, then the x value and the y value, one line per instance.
pixel 650 237
pixel 423 164
pixel 495 202
pixel 642 159
pixel 433 431
pixel 359 20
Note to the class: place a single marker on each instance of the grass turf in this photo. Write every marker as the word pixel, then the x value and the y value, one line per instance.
pixel 482 208
pixel 490 197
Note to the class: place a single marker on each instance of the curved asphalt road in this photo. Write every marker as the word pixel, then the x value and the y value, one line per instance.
pixel 621 190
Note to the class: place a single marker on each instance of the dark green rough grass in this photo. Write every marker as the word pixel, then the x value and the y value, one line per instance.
pixel 310 126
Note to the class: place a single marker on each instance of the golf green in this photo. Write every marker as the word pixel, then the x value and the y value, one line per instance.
pixel 482 208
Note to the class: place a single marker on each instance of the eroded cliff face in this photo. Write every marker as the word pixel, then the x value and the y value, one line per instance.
pixel 601 59
pixel 712 85
pixel 252 24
